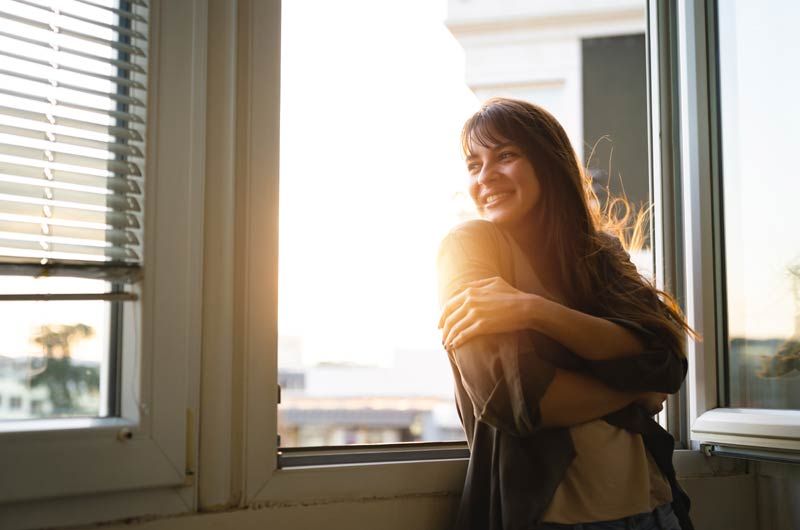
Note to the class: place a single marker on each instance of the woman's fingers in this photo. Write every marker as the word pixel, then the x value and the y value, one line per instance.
pixel 452 311
pixel 451 305
pixel 466 335
pixel 461 319
pixel 458 298
pixel 489 305
pixel 483 306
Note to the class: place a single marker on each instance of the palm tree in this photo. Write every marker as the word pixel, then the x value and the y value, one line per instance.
pixel 59 375
pixel 61 337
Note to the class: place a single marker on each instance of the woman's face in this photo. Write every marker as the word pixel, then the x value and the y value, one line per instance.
pixel 503 184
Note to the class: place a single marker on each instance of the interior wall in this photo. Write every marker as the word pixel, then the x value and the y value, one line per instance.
pixel 721 500
pixel 401 513
pixel 778 496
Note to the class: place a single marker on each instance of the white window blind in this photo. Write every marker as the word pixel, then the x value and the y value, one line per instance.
pixel 72 108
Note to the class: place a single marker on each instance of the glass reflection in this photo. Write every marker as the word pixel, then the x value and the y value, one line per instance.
pixel 759 112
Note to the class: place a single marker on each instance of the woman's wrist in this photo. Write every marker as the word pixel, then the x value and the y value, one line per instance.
pixel 588 336
pixel 541 312
pixel 535 307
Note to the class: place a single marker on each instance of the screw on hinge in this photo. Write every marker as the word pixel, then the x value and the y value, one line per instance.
pixel 124 434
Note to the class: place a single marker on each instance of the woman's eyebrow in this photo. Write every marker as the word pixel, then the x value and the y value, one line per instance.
pixel 502 146
pixel 496 147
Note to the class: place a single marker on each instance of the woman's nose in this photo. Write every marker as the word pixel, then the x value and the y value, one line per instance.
pixel 488 174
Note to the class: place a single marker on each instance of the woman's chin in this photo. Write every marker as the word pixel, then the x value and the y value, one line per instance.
pixel 500 218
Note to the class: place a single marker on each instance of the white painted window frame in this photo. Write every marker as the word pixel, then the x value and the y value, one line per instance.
pixel 262 482
pixel 60 472
pixel 710 424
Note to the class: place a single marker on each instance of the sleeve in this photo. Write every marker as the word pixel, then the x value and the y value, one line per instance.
pixel 656 369
pixel 501 373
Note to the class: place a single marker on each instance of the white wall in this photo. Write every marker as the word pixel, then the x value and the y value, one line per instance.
pixel 532 50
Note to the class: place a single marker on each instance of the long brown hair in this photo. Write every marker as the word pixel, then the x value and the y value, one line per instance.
pixel 588 241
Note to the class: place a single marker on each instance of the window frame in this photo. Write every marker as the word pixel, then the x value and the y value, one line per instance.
pixel 263 481
pixel 257 247
pixel 233 108
pixel 712 424
pixel 664 159
pixel 149 446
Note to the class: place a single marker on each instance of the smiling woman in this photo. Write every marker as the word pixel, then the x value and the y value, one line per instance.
pixel 561 352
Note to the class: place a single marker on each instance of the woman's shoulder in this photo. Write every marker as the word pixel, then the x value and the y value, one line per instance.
pixel 475 227
pixel 475 235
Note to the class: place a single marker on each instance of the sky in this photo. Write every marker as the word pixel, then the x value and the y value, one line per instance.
pixel 370 164
pixel 761 184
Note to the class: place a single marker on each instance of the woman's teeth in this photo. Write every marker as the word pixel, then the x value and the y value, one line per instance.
pixel 494 198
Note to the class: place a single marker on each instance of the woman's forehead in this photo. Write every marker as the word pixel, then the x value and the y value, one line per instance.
pixel 484 135
pixel 492 147
pixel 477 143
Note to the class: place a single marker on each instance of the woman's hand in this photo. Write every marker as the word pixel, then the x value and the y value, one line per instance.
pixel 485 307
pixel 652 402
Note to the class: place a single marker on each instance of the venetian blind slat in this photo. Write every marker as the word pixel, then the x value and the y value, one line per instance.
pixel 54 20
pixel 72 138
pixel 65 54
pixel 46 117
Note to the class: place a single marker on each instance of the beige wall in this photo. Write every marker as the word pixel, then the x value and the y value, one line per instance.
pixel 719 503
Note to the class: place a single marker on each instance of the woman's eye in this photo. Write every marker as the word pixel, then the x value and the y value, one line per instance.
pixel 472 167
pixel 506 155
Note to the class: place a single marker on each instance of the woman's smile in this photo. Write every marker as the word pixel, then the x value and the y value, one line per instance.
pixel 494 199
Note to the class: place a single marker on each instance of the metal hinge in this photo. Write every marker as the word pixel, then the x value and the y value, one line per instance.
pixel 278 437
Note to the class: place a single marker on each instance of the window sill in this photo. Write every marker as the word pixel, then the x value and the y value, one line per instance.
pixel 371 454
pixel 760 428
pixel 69 426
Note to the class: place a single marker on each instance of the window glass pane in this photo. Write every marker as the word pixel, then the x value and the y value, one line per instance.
pixel 373 98
pixel 72 105
pixel 759 112
pixel 53 355
pixel 614 95
pixel 372 102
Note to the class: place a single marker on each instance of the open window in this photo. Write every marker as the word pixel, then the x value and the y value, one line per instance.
pixel 372 179
pixel 741 250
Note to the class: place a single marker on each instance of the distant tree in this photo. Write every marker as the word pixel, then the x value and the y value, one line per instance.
pixel 63 379
pixel 786 359
pixel 60 338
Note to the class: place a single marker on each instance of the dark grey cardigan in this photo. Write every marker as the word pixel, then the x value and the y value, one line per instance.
pixel 515 465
